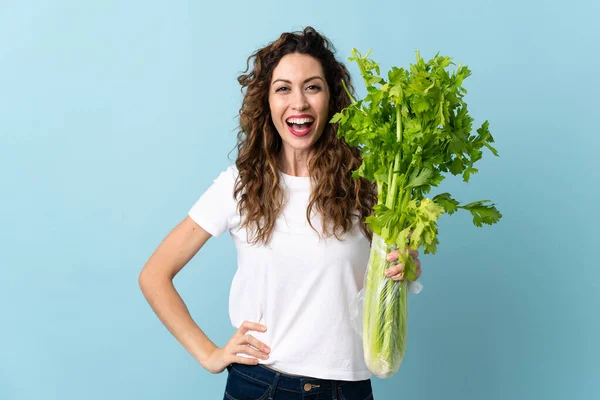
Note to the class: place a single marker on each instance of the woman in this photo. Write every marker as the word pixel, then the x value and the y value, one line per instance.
pixel 296 216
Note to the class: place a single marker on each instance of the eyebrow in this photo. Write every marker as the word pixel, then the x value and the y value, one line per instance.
pixel 306 80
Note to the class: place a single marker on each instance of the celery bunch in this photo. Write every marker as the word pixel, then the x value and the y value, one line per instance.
pixel 411 128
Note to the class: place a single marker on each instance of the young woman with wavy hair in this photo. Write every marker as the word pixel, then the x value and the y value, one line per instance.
pixel 297 218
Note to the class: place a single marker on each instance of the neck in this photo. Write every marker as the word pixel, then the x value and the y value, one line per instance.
pixel 294 164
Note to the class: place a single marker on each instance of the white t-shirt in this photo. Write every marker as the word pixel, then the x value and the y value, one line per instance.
pixel 299 286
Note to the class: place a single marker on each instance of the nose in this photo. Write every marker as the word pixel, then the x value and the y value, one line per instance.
pixel 299 101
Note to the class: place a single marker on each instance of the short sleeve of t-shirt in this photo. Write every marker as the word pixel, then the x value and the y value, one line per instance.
pixel 216 209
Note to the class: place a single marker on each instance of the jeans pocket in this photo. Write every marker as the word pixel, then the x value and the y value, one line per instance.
pixel 243 387
pixel 356 390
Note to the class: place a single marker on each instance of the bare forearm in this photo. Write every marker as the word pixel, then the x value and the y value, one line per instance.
pixel 173 313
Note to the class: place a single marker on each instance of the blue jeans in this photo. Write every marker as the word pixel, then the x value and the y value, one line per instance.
pixel 257 382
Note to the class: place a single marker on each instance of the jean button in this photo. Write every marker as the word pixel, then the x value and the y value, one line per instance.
pixel 307 387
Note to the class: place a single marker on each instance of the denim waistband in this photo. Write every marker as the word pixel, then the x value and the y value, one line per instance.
pixel 286 382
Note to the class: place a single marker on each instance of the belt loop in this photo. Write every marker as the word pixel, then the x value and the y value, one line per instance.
pixel 274 387
pixel 334 390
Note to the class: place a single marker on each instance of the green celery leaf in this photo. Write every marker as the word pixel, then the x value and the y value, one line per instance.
pixel 421 179
pixel 482 213
pixel 447 202
pixel 456 167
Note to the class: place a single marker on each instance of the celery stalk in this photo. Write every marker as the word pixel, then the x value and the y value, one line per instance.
pixel 385 314
pixel 432 137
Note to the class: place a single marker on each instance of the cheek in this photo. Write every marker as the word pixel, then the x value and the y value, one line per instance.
pixel 325 106
pixel 325 113
pixel 276 111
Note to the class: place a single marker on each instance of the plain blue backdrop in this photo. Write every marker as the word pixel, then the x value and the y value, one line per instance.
pixel 115 116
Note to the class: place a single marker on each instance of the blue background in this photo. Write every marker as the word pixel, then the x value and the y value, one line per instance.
pixel 115 117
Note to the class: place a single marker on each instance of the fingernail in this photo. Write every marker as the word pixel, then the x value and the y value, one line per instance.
pixel 268 350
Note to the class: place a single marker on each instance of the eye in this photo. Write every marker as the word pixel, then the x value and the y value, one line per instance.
pixel 280 89
pixel 317 87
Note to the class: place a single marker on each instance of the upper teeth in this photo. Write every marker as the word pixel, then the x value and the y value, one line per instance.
pixel 300 120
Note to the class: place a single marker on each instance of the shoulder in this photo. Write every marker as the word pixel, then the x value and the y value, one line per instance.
pixel 228 175
pixel 227 179
pixel 232 171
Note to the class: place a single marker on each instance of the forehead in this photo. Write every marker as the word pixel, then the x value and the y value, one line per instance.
pixel 297 66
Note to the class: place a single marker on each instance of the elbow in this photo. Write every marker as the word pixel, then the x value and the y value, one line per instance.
pixel 143 280
pixel 148 278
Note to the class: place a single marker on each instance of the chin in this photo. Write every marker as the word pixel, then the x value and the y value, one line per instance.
pixel 302 143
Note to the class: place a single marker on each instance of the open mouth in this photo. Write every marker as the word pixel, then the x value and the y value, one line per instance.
pixel 300 126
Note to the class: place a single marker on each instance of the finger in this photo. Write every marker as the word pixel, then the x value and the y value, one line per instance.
pixel 249 339
pixel 249 325
pixel 251 351
pixel 393 256
pixel 396 269
pixel 398 277
pixel 419 272
pixel 246 360
pixel 396 253
pixel 418 263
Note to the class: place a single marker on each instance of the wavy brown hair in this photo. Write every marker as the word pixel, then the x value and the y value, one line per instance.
pixel 335 194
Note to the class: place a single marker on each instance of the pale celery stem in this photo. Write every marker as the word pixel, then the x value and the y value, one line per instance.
pixel 390 294
pixel 368 310
pixel 374 307
pixel 347 91
pixel 389 185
